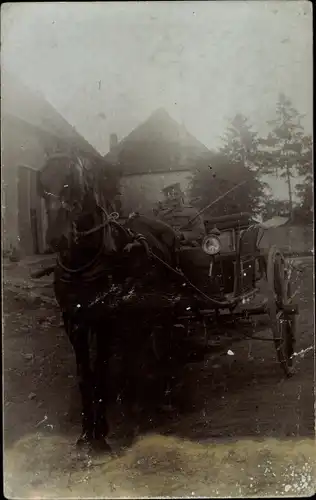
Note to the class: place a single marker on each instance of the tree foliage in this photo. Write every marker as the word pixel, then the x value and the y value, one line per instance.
pixel 305 189
pixel 234 163
pixel 284 151
pixel 220 176
pixel 241 143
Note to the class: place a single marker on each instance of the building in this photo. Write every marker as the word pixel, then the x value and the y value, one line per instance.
pixel 291 236
pixel 156 154
pixel 31 130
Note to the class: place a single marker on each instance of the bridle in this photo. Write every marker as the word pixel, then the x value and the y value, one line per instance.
pixel 107 220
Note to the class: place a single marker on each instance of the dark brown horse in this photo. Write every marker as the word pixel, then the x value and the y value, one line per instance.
pixel 110 288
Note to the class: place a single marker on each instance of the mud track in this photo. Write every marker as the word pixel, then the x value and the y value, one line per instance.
pixel 237 396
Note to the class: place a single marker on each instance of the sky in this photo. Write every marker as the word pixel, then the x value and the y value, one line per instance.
pixel 107 66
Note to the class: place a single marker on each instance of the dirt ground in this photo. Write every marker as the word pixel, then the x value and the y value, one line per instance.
pixel 239 407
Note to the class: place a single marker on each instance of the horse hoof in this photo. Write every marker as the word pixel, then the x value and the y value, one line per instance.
pixel 84 440
pixel 129 436
pixel 101 445
pixel 127 441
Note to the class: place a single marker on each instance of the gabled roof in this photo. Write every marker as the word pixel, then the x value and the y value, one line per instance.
pixel 159 144
pixel 30 106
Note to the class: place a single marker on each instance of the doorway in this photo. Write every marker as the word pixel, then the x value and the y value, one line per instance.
pixel 31 212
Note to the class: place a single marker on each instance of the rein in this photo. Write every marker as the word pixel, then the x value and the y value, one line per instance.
pixel 219 303
pixel 112 219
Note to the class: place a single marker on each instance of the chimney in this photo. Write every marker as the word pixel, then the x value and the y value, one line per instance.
pixel 113 141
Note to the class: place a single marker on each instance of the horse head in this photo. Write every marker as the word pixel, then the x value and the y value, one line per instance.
pixel 66 185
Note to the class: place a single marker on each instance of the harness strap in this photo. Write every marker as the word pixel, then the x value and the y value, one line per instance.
pixel 141 239
pixel 93 261
pixel 108 218
pixel 112 219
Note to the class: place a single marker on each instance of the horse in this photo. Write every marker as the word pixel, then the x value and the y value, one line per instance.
pixel 112 282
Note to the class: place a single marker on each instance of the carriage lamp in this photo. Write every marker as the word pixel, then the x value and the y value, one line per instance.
pixel 211 245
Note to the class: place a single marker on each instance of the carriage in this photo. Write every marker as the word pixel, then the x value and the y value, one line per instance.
pixel 239 287
pixel 235 289
pixel 109 273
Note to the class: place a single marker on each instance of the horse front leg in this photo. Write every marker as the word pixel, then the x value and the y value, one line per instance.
pixel 101 396
pixel 79 338
pixel 86 391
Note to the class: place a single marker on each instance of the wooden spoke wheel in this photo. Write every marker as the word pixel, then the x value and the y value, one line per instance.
pixel 280 309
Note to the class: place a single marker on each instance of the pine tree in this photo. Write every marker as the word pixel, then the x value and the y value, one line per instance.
pixel 241 143
pixel 305 190
pixel 281 152
pixel 219 174
pixel 235 162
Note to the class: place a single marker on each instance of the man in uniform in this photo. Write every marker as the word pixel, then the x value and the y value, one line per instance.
pixel 183 218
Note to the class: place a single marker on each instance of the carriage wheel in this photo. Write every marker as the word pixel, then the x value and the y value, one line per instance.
pixel 282 319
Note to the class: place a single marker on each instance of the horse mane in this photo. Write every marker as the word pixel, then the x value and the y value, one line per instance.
pixel 101 178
